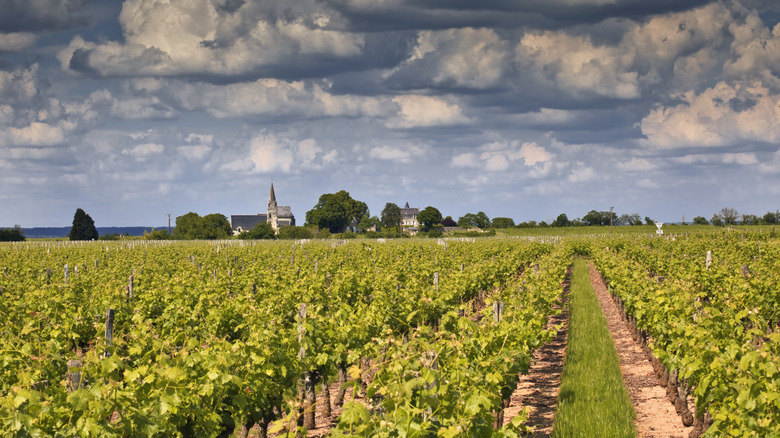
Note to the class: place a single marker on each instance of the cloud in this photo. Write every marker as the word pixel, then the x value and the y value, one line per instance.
pixel 636 165
pixel 185 37
pixel 468 159
pixel 42 15
pixel 581 173
pixel 144 150
pixel 271 153
pixel 719 116
pixel 425 111
pixel 498 156
pixel 274 97
pixel 468 57
pixel 400 154
pixel 13 42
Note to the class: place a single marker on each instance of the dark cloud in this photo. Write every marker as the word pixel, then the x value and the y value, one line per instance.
pixel 42 15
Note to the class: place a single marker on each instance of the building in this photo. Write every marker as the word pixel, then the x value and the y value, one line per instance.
pixel 409 221
pixel 277 215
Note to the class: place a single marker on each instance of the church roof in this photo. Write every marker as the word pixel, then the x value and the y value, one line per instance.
pixel 284 211
pixel 247 221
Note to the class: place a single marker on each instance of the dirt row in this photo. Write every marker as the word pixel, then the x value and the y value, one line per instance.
pixel 538 390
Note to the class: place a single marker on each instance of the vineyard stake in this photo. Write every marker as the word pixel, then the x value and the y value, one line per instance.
pixel 109 330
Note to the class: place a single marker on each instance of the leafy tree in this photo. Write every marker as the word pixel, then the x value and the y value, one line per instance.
pixel 369 222
pixel 528 224
pixel 295 233
pixel 436 231
pixel 215 226
pixel 14 234
pixel 502 222
pixel 594 218
pixel 391 216
pixel 700 220
pixel 561 221
pixel 750 219
pixel 479 220
pixel 449 222
pixel 717 220
pixel 771 218
pixel 630 219
pixel 83 227
pixel 157 235
pixel 263 230
pixel 188 226
pixel 649 221
pixel 335 211
pixel 429 217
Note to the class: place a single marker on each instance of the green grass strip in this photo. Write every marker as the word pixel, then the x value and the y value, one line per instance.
pixel 593 402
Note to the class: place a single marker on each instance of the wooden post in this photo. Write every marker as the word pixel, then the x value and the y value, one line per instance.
pixel 130 287
pixel 745 271
pixel 48 275
pixel 307 379
pixel 498 310
pixel 436 281
pixel 709 259
pixel 462 266
pixel 66 274
pixel 109 330
pixel 316 265
pixel 74 375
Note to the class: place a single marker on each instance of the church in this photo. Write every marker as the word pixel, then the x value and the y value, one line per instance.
pixel 277 216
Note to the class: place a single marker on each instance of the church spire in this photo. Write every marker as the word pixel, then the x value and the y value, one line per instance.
pixel 272 196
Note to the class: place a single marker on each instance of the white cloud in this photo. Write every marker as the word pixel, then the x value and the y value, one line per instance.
pixel 636 165
pixel 401 154
pixel 193 36
pixel 466 57
pixel 425 111
pixel 582 173
pixel 194 153
pixel 468 159
pixel 144 150
pixel 577 66
pixel 15 41
pixel 722 115
pixel 270 153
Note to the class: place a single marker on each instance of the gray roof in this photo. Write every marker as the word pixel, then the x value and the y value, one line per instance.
pixel 247 221
pixel 409 212
pixel 284 211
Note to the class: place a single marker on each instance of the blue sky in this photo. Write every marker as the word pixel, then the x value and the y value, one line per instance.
pixel 135 109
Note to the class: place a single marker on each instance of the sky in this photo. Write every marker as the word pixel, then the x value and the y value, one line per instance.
pixel 136 109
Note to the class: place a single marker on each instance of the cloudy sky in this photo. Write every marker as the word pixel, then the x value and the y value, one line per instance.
pixel 138 108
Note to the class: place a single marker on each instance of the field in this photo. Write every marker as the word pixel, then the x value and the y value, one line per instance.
pixel 414 337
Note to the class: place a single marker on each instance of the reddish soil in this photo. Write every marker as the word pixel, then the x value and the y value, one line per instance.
pixel 538 390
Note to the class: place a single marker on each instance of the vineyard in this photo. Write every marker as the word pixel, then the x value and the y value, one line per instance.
pixel 420 337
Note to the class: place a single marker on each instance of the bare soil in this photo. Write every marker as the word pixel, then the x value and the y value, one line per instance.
pixel 655 415
pixel 538 390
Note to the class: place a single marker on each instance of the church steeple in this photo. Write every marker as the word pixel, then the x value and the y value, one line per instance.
pixel 273 219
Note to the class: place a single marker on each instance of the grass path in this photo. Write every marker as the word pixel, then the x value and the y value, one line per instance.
pixel 593 402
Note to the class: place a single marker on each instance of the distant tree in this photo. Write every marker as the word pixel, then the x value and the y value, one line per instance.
pixel 263 230
pixel 215 226
pixel 15 234
pixel 729 216
pixel 700 220
pixel 429 217
pixel 630 219
pixel 448 222
pixel 750 219
pixel 295 233
pixel 112 236
pixel 369 222
pixel 771 218
pixel 502 222
pixel 188 226
pixel 436 231
pixel 561 221
pixel 335 211
pixel 716 220
pixel 157 235
pixel 479 220
pixel 83 227
pixel 391 216
pixel 649 221
pixel 594 218
pixel 528 224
